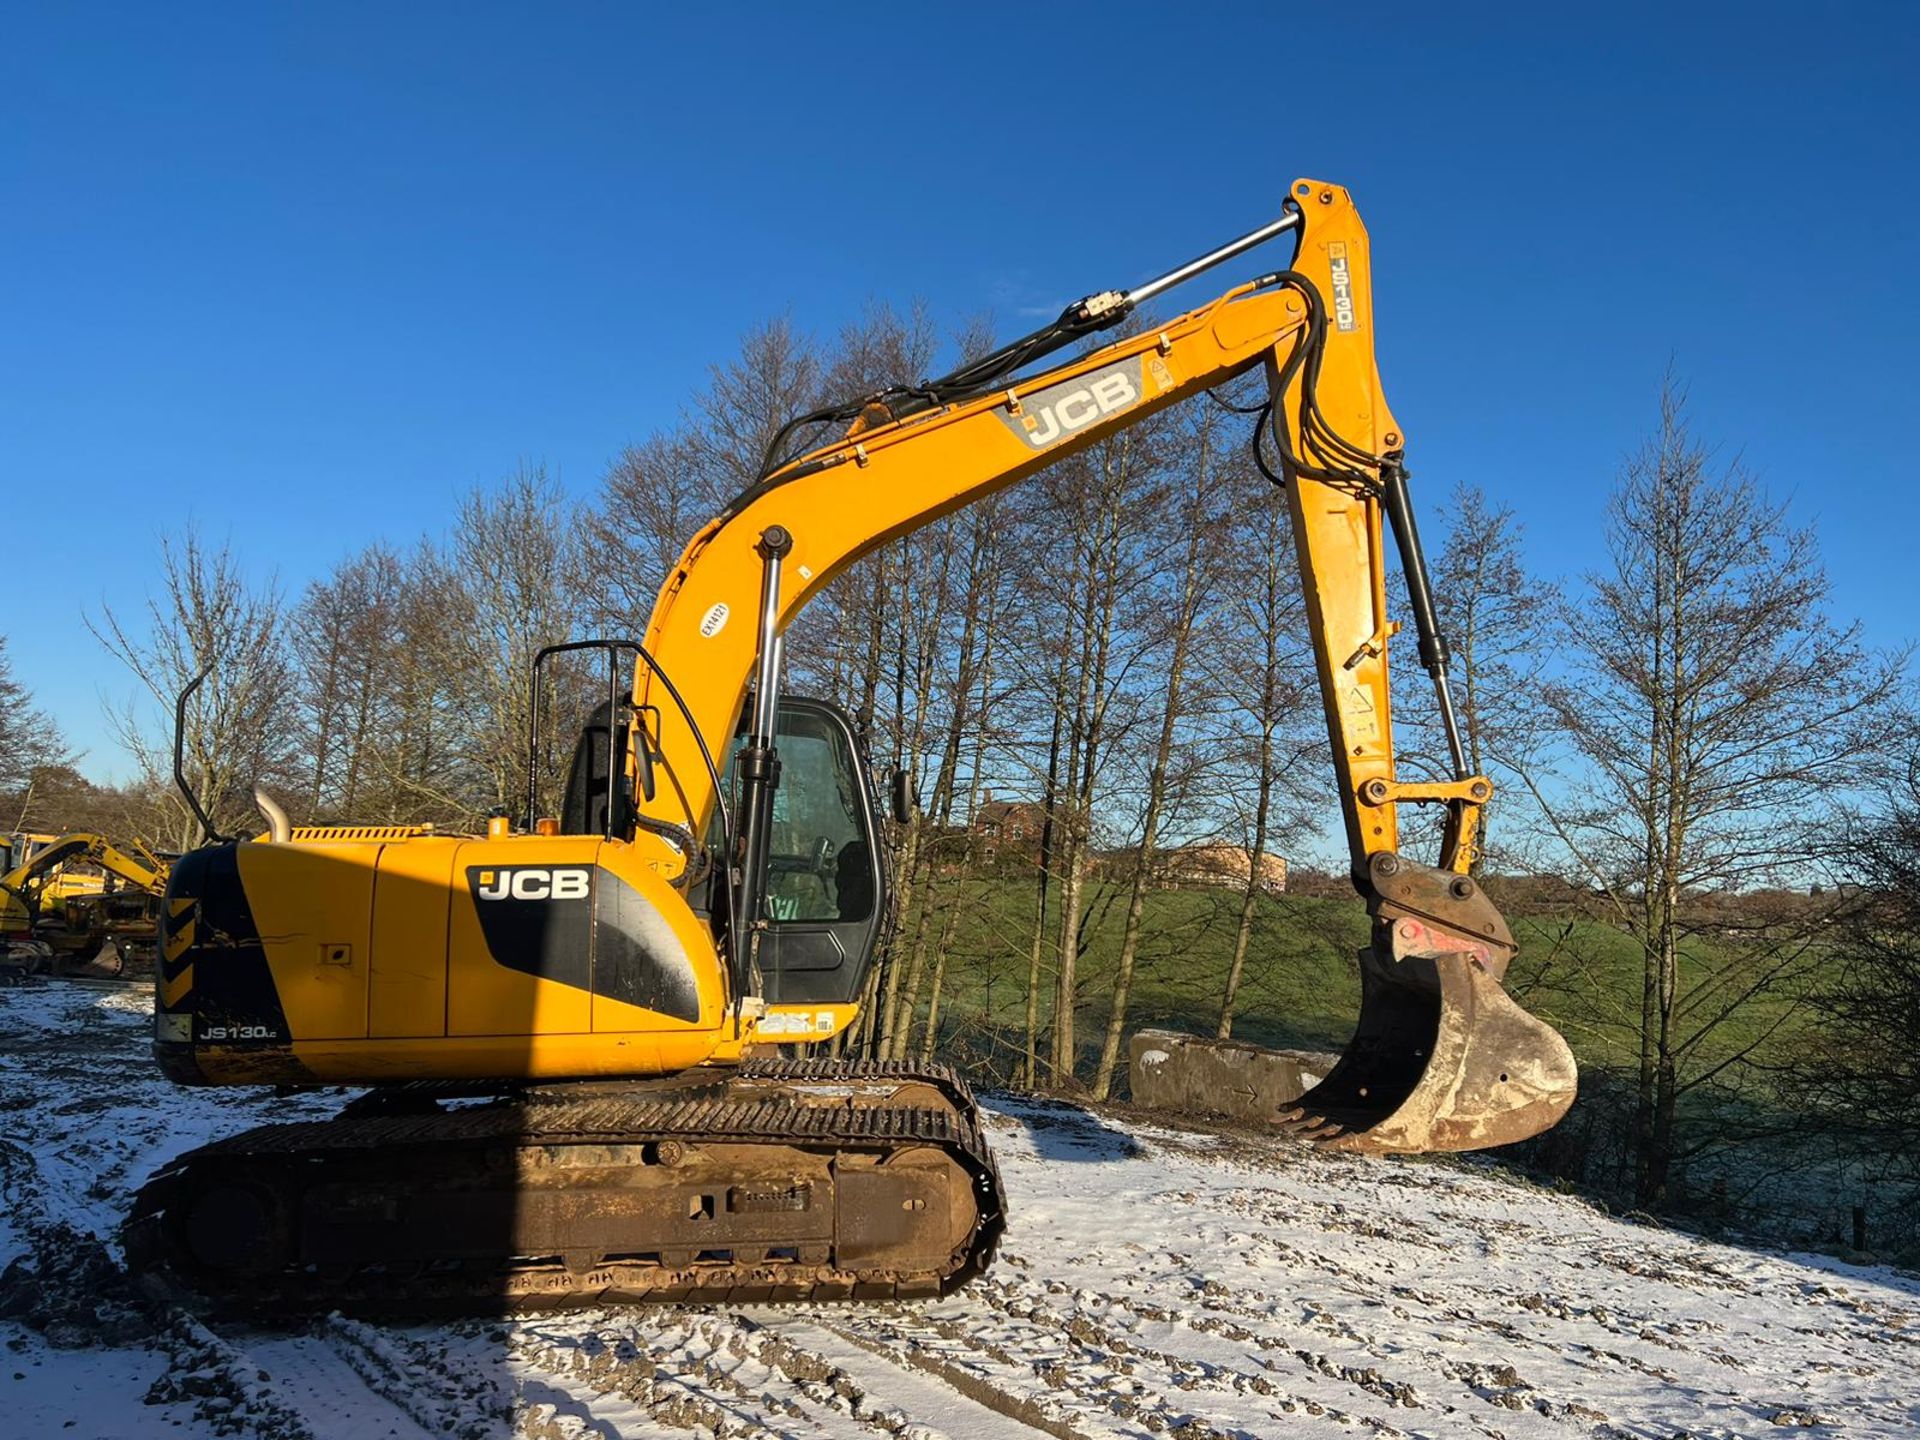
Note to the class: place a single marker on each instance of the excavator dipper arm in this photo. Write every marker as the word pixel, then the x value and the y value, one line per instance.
pixel 1442 1057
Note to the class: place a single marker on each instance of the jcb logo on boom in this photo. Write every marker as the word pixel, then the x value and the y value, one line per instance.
pixel 534 883
pixel 1051 415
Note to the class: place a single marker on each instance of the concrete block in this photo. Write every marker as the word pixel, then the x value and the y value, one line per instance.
pixel 1229 1078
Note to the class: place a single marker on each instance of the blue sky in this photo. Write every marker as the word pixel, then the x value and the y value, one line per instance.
pixel 303 276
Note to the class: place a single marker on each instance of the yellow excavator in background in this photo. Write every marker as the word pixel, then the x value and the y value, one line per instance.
pixel 50 910
pixel 609 991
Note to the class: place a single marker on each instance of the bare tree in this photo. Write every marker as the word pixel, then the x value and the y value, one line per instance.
pixel 1096 498
pixel 659 492
pixel 1178 608
pixel 418 755
pixel 653 498
pixel 1859 1070
pixel 346 645
pixel 1502 621
pixel 1721 718
pixel 969 843
pixel 242 726
pixel 1029 1076
pixel 511 555
pixel 967 702
pixel 62 801
pixel 1273 738
pixel 777 375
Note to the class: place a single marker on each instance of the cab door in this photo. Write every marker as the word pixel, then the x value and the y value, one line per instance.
pixel 826 882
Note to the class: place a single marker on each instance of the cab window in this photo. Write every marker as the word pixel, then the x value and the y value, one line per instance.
pixel 819 867
pixel 820 864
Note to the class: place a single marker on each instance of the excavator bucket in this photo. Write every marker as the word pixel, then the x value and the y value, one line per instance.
pixel 1442 1058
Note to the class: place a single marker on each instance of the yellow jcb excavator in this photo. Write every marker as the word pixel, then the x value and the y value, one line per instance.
pixel 44 915
pixel 606 990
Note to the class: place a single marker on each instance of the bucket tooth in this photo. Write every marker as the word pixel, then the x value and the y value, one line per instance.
pixel 1317 1128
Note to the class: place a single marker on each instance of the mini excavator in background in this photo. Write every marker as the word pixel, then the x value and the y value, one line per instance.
pixel 568 1031
pixel 50 913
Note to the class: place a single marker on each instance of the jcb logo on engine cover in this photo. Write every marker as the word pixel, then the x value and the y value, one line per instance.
pixel 1057 412
pixel 533 882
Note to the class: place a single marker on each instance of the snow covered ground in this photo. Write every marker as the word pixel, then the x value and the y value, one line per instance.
pixel 1153 1283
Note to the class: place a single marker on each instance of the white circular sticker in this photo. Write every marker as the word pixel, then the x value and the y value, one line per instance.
pixel 715 620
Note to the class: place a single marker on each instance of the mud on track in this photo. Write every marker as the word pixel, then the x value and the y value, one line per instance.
pixel 1153 1282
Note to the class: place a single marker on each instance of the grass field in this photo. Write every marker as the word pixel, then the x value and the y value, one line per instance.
pixel 1301 987
pixel 1756 1165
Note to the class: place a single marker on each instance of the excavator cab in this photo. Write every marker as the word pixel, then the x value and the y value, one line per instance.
pixel 824 893
pixel 827 881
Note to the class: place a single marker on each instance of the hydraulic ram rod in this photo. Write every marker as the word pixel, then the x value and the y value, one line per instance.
pixel 1212 258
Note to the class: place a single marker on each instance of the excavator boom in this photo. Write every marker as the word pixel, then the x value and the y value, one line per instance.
pixel 1442 1059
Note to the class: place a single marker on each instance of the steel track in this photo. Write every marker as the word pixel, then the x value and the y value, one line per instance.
pixel 812 1117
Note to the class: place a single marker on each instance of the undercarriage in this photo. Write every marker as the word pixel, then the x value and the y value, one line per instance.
pixel 775 1181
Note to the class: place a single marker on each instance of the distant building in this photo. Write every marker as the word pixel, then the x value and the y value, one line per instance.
pixel 1219 865
pixel 1009 826
pixel 1012 830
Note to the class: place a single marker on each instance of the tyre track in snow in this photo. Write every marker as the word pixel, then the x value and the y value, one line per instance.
pixel 1096 1382
pixel 1154 1282
pixel 337 1376
pixel 1231 1351
pixel 1475 1291
pixel 1195 1335
pixel 760 1373
pixel 94 1118
pixel 1297 1338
